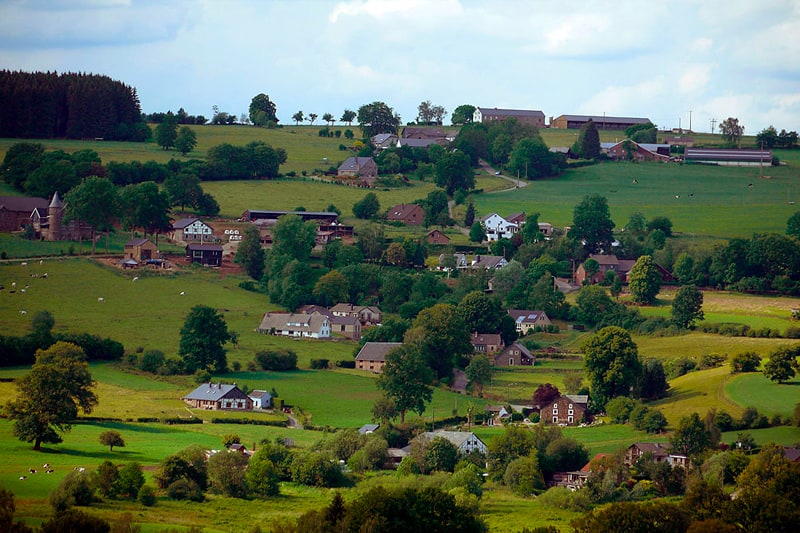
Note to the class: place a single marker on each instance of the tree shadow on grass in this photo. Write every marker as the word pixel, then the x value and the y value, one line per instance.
pixel 141 428
pixel 111 456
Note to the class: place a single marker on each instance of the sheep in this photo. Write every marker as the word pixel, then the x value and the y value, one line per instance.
pixel 44 275
pixel 23 478
pixel 101 299
pixel 24 263
pixel 46 465
pixel 135 278
pixel 23 312
pixel 41 261
pixel 13 284
pixel 183 293
pixel 23 290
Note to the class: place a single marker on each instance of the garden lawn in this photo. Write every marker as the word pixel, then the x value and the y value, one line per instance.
pixel 770 398
pixel 519 383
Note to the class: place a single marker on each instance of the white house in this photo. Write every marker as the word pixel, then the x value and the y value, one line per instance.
pixel 192 229
pixel 465 441
pixel 312 326
pixel 261 399
pixel 497 227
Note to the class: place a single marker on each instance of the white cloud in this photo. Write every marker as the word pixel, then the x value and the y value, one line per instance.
pixel 391 9
pixel 621 100
pixel 694 78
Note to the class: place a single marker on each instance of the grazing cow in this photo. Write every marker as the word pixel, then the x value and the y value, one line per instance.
pixel 31 470
pixel 23 478
pixel 101 299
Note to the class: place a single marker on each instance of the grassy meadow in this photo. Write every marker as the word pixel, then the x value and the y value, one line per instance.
pixel 149 313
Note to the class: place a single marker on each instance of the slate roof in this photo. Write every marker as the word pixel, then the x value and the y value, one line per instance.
pixel 792 454
pixel 456 437
pixel 23 203
pixel 523 315
pixel 354 164
pixel 203 246
pixel 259 394
pixel 521 347
pixel 184 222
pixel 368 428
pixel 309 309
pixel 345 320
pixel 213 392
pixel 292 321
pixel 487 261
pixel 376 351
pixel 578 398
pixel 656 448
pixel 418 143
pixel 382 137
pixel 511 112
pixel 401 211
pixel 485 338
pixel 600 119
pixel 136 242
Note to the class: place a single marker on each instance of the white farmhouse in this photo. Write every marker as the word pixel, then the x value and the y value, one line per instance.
pixel 497 227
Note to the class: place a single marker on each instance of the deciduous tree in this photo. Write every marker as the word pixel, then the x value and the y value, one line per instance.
pixel 731 130
pixel 591 223
pixel 167 131
pixel 691 436
pixel 186 140
pixel 611 359
pixel 644 280
pixel 262 110
pixel 94 202
pixel 462 114
pixel 454 172
pixel 479 372
pixel 376 118
pixel 250 254
pixel 687 307
pixel 348 116
pixel 112 438
pixel 58 386
pixel 203 337
pixel 441 336
pixel 406 379
pixel 782 364
pixel 227 473
pixel 367 207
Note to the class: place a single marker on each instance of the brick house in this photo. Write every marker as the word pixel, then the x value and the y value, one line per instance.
pixel 566 410
pixel 487 343
pixel 523 116
pixel 437 237
pixel 15 211
pixel 409 214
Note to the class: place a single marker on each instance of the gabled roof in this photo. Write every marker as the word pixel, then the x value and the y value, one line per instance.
pixel 521 347
pixel 418 143
pixel 401 211
pixel 522 316
pixel 345 320
pixel 485 338
pixel 345 308
pixel 368 428
pixel 184 222
pixel 259 394
pixel 376 351
pixel 354 164
pixel 309 308
pixel 792 454
pixel 426 133
pixel 382 137
pixel 511 112
pixel 456 437
pixel 488 261
pixel 293 322
pixel 594 460
pixel 214 392
pixel 578 398
pixel 25 204
pixel 137 242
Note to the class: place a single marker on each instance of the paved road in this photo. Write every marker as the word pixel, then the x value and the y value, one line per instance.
pixel 518 184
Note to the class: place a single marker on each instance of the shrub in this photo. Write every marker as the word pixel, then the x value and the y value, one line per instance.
pixel 320 364
pixel 678 367
pixel 77 488
pixel 147 496
pixel 711 360
pixel 523 476
pixel 151 361
pixel 563 498
pixel 184 489
pixel 316 469
pixel 278 360
pixel 745 362
pixel 345 363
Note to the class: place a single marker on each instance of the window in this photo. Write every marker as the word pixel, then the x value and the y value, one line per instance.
pixel 570 406
pixel 555 411
pixel 555 406
pixel 555 420
pixel 570 412
pixel 510 361
pixel 571 420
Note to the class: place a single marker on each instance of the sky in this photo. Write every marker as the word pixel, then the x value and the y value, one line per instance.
pixel 672 62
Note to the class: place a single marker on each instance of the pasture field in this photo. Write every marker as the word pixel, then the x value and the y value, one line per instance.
pixel 720 201
pixel 697 392
pixel 771 398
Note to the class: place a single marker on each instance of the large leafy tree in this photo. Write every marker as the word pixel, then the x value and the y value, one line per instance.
pixel 94 202
pixel 227 473
pixel 58 386
pixel 611 359
pixel 442 337
pixel 480 312
pixel 167 131
pixel 250 254
pixel 731 130
pixel 367 207
pixel 186 140
pixel 644 280
pixel 348 116
pixel 262 110
pixel 687 307
pixel 479 372
pixel 406 380
pixel 20 161
pixel 203 338
pixel 183 189
pixel 145 206
pixel 532 159
pixel 453 171
pixel 591 223
pixel 691 436
pixel 462 114
pixel 293 238
pixel 376 118
pixel 782 364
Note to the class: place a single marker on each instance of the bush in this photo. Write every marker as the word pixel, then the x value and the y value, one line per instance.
pixel 320 364
pixel 316 469
pixel 147 496
pixel 711 360
pixel 745 362
pixel 77 488
pixel 345 363
pixel 185 489
pixel 563 498
pixel 278 360
pixel 678 367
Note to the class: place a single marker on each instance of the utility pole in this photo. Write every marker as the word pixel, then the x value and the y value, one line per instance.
pixel 713 123
pixel 690 121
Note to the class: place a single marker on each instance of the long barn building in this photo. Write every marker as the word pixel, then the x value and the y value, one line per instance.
pixel 601 122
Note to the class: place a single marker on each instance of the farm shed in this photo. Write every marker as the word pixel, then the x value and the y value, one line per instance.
pixel 728 157
pixel 524 116
pixel 205 254
pixel 574 122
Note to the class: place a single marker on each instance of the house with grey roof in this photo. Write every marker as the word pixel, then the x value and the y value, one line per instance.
pixel 528 321
pixel 372 356
pixel 465 441
pixel 382 141
pixel 192 230
pixel 488 262
pixel 358 167
pixel 566 410
pixel 514 354
pixel 218 396
pixel 524 116
pixel 261 399
pixel 310 326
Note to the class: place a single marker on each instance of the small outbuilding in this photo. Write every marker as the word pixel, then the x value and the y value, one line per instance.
pixel 205 254
pixel 141 250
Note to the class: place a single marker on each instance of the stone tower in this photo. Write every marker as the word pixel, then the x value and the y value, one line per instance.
pixel 55 216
